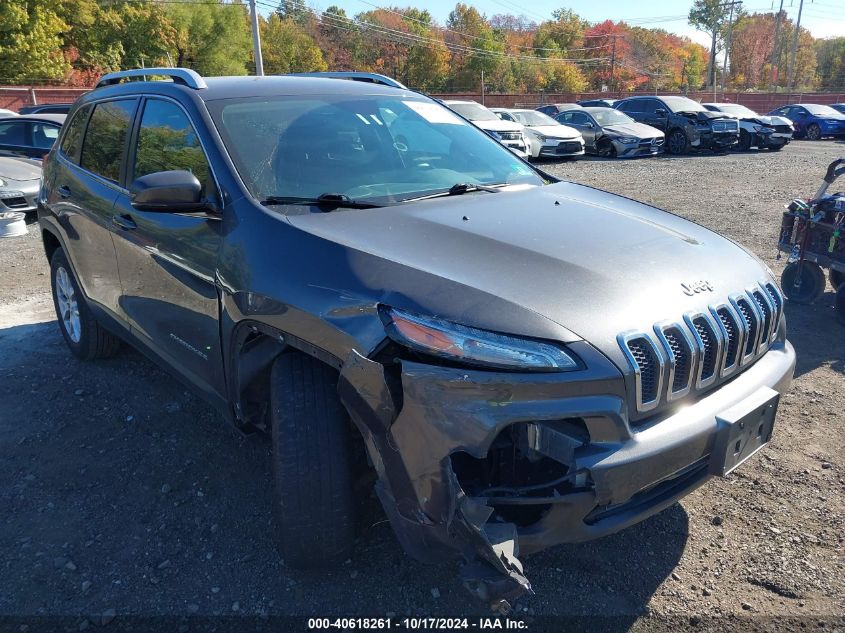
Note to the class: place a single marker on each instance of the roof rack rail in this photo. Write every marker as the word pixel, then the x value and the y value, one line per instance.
pixel 373 78
pixel 183 76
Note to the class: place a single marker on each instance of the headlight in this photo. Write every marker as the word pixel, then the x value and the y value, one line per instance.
pixel 495 135
pixel 2 183
pixel 761 129
pixel 627 140
pixel 472 346
pixel 541 138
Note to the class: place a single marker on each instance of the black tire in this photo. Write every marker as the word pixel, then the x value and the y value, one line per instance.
pixel 745 141
pixel 814 132
pixel 312 463
pixel 88 340
pixel 811 284
pixel 839 302
pixel 606 149
pixel 836 278
pixel 777 148
pixel 677 142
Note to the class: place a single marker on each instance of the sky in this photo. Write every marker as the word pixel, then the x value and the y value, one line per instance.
pixel 823 18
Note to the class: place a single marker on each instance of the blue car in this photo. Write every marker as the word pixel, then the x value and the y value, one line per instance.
pixel 813 121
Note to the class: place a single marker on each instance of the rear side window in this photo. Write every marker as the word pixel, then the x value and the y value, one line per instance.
pixel 105 140
pixel 44 135
pixel 650 106
pixel 12 133
pixel 631 106
pixel 72 141
pixel 167 141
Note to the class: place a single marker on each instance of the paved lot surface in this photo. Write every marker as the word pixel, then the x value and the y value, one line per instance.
pixel 120 491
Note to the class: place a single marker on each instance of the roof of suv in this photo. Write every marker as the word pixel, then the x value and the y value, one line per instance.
pixel 228 87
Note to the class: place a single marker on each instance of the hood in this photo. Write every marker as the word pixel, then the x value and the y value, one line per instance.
pixel 19 169
pixel 706 115
pixel 556 131
pixel 639 130
pixel 591 263
pixel 499 125
pixel 769 120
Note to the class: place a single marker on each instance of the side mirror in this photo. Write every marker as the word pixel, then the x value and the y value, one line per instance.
pixel 589 125
pixel 660 112
pixel 168 191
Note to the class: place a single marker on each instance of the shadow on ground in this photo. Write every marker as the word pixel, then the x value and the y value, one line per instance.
pixel 124 491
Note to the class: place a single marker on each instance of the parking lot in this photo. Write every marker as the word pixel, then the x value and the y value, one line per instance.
pixel 123 492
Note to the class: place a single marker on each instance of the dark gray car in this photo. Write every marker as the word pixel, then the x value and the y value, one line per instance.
pixel 20 179
pixel 30 135
pixel 608 132
pixel 515 361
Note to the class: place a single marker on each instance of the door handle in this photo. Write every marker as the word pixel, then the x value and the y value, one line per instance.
pixel 64 191
pixel 124 222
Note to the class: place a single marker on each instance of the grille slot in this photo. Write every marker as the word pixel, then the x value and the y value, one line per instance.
pixel 733 335
pixel 766 311
pixel 648 365
pixel 747 314
pixel 682 354
pixel 710 352
pixel 777 302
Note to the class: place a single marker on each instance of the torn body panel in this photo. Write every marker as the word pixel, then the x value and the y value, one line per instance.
pixel 483 465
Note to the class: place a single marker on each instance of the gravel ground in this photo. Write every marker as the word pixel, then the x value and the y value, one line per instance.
pixel 123 494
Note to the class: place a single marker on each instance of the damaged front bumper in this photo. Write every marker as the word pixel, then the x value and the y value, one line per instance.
pixel 483 464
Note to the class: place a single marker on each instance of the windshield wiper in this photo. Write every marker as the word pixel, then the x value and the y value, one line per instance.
pixel 328 201
pixel 458 189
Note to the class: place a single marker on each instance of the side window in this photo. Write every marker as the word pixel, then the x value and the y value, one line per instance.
pixel 579 118
pixel 105 140
pixel 547 109
pixel 12 133
pixel 650 106
pixel 44 135
pixel 167 141
pixel 630 106
pixel 72 140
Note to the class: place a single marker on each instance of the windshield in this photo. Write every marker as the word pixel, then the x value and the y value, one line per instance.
pixel 532 118
pixel 822 110
pixel 473 111
pixel 738 110
pixel 682 104
pixel 607 116
pixel 381 150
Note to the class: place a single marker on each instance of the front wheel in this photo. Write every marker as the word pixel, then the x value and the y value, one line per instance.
pixel 678 142
pixel 312 463
pixel 745 141
pixel 814 132
pixel 85 338
pixel 802 282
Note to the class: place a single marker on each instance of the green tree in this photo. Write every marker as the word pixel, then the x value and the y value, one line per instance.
pixel 830 59
pixel 287 48
pixel 467 65
pixel 30 42
pixel 211 38
pixel 710 16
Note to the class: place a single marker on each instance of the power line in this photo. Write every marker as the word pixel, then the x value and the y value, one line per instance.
pixel 413 38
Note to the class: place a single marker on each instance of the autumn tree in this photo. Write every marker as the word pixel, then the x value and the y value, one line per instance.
pixel 287 48
pixel 830 61
pixel 751 51
pixel 487 51
pixel 710 16
pixel 30 42
pixel 211 37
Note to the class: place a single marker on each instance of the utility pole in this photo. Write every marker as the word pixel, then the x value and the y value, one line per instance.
pixel 792 54
pixel 256 40
pixel 728 45
pixel 613 65
pixel 776 49
pixel 482 86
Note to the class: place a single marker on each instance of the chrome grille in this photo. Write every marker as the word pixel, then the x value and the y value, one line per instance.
pixel 678 357
pixel 725 125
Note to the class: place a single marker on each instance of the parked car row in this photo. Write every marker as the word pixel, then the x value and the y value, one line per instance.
pixel 648 125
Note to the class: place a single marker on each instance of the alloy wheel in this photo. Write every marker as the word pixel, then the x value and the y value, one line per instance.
pixel 68 305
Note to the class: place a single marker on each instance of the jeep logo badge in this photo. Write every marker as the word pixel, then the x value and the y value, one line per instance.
pixel 697 287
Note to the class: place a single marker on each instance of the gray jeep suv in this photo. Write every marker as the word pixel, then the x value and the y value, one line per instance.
pixel 384 289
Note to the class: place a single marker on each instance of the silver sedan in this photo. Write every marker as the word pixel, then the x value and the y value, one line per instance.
pixel 609 132
pixel 20 179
